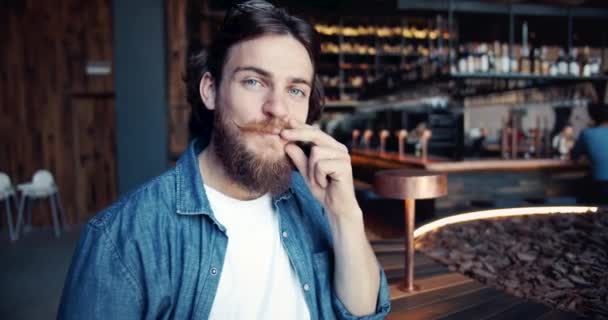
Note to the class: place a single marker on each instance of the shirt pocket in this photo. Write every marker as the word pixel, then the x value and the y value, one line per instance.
pixel 323 271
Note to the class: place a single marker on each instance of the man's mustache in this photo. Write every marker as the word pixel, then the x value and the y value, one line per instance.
pixel 267 126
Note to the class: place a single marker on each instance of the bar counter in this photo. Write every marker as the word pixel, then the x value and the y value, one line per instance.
pixel 392 160
pixel 484 183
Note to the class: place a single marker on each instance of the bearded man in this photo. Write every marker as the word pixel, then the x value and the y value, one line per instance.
pixel 247 225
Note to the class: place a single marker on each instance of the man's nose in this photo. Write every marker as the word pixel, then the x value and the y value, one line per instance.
pixel 275 105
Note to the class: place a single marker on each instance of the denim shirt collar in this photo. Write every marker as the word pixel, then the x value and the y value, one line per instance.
pixel 191 197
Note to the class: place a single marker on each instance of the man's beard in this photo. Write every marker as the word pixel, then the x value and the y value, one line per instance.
pixel 251 171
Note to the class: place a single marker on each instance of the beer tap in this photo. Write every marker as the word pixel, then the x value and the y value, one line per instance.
pixel 538 138
pixel 424 143
pixel 367 137
pixel 504 138
pixel 401 136
pixel 383 135
pixel 355 141
pixel 514 137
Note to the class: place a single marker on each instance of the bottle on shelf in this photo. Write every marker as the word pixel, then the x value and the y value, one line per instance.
pixel 544 62
pixel 492 60
pixel 595 65
pixel 497 67
pixel 471 59
pixel 453 61
pixel 462 60
pixel 537 62
pixel 514 62
pixel 574 68
pixel 562 63
pixel 585 63
pixel 505 61
pixel 484 59
pixel 524 62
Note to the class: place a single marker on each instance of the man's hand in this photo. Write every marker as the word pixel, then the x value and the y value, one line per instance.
pixel 328 174
pixel 327 170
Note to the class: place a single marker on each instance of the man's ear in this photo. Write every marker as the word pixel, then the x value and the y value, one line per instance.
pixel 207 89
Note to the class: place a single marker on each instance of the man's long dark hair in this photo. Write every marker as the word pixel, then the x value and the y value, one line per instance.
pixel 246 21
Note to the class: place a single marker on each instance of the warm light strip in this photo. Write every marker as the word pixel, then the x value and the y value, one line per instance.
pixel 498 213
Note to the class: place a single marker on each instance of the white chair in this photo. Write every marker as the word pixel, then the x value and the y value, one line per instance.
pixel 7 192
pixel 42 186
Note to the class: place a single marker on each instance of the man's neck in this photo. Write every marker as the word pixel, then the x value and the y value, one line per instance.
pixel 215 176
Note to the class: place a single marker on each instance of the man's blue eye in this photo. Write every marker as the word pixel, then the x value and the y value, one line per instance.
pixel 251 82
pixel 296 92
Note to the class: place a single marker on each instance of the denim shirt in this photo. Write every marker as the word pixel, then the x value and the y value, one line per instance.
pixel 158 252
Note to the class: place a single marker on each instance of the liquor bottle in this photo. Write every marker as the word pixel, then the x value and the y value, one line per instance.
pixel 524 62
pixel 545 64
pixel 484 59
pixel 491 61
pixel 562 63
pixel 585 62
pixel 497 67
pixel 462 60
pixel 537 63
pixel 574 68
pixel 505 61
pixel 514 63
pixel 597 66
pixel 470 59
pixel 453 61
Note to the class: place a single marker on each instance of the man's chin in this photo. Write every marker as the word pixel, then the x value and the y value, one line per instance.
pixel 269 152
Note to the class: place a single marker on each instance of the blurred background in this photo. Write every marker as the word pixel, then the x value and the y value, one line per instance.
pixel 91 92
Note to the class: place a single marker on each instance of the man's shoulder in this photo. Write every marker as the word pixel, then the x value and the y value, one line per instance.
pixel 596 131
pixel 154 200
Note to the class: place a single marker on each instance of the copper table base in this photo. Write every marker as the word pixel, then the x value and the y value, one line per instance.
pixel 410 185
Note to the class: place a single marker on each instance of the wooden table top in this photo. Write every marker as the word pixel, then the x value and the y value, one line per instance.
pixel 410 184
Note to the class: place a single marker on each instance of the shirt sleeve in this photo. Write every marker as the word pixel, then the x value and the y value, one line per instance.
pixel 383 303
pixel 579 147
pixel 99 285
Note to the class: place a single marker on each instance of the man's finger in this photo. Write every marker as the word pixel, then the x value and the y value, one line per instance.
pixel 299 159
pixel 312 135
pixel 326 170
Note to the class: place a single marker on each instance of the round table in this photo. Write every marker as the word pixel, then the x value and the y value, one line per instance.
pixel 410 185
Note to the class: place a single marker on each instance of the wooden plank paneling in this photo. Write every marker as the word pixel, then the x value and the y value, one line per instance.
pixel 45 48
pixel 179 110
pixel 94 154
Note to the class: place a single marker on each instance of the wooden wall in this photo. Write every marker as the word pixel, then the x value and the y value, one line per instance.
pixel 179 109
pixel 52 115
pixel 190 26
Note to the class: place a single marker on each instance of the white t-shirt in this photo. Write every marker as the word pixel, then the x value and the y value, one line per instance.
pixel 257 280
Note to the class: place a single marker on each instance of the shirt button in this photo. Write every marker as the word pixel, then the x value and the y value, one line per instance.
pixel 284 234
pixel 213 271
pixel 306 287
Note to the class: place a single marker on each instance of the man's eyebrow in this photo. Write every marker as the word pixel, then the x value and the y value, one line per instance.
pixel 268 74
pixel 260 71
pixel 302 81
